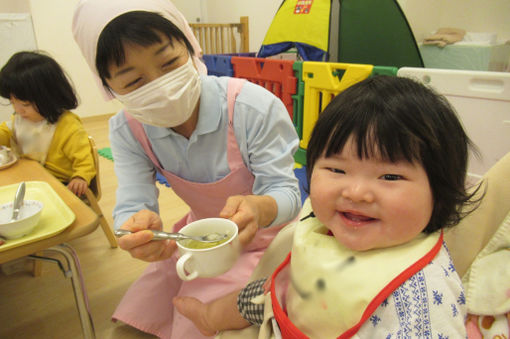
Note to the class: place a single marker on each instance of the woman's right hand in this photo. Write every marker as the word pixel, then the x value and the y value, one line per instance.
pixel 139 244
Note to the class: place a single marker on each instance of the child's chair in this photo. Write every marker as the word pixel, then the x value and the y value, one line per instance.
pixel 480 250
pixel 93 195
pixel 479 247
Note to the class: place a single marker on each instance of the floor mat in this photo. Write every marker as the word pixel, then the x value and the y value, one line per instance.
pixel 107 153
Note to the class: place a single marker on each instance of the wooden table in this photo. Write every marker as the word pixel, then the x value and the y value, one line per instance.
pixel 86 222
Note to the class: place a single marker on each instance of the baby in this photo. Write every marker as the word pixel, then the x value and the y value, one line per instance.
pixel 386 165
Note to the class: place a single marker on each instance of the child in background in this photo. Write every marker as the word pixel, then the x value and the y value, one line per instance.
pixel 42 128
pixel 386 164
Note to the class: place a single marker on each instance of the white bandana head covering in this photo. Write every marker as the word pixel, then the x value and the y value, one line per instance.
pixel 91 16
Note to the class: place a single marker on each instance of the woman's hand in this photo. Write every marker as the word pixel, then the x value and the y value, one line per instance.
pixel 139 244
pixel 249 212
pixel 78 186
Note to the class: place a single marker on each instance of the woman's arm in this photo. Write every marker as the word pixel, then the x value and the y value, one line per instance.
pixel 135 173
pixel 269 140
pixel 137 196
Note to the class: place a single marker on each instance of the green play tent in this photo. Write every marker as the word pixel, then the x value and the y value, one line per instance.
pixel 360 31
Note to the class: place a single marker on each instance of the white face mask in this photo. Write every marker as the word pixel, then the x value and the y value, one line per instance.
pixel 167 101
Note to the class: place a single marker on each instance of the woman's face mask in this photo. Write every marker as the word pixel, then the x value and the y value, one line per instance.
pixel 167 101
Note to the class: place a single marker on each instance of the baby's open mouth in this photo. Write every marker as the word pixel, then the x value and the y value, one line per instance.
pixel 356 217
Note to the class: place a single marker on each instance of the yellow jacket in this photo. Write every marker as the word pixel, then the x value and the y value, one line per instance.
pixel 69 154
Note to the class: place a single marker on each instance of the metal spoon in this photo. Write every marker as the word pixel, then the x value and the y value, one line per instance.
pixel 160 235
pixel 18 201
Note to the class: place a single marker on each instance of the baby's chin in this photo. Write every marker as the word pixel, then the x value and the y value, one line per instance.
pixel 357 245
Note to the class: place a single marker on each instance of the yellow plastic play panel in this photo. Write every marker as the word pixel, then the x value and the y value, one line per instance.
pixel 324 80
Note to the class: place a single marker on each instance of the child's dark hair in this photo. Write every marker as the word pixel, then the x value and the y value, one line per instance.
pixel 397 118
pixel 138 27
pixel 39 79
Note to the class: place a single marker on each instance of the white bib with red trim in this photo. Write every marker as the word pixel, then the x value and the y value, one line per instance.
pixel 330 291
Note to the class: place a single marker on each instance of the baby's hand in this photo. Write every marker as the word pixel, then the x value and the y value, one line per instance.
pixel 78 186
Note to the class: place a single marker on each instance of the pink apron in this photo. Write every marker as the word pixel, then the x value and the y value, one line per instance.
pixel 147 305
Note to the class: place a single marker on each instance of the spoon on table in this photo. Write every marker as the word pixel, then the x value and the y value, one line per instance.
pixel 18 201
pixel 160 235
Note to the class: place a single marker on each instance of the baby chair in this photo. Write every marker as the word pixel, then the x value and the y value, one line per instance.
pixel 480 249
pixel 93 194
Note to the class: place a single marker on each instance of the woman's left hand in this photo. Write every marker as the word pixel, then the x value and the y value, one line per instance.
pixel 78 186
pixel 249 212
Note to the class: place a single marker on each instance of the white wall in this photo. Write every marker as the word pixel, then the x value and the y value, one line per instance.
pixel 488 16
pixel 14 20
pixel 14 6
pixel 260 13
pixel 479 16
pixel 52 24
pixel 424 16
pixel 472 15
pixel 191 9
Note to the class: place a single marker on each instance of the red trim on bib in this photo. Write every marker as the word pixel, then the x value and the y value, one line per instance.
pixel 287 328
pixel 290 331
pixel 393 285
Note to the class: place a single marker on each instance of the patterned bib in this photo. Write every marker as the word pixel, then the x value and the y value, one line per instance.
pixel 332 287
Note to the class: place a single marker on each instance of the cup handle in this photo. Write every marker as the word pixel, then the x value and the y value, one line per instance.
pixel 180 268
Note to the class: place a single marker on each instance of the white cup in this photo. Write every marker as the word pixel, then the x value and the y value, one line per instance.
pixel 208 262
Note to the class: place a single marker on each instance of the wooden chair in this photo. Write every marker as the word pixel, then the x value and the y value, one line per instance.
pixel 93 195
pixel 222 38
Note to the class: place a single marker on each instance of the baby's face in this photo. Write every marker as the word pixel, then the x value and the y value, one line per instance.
pixel 370 203
pixel 26 109
pixel 144 64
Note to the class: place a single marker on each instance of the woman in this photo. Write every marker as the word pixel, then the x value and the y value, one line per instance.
pixel 226 147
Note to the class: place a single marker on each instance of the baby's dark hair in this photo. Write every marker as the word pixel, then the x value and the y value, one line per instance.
pixel 39 79
pixel 396 119
pixel 138 27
